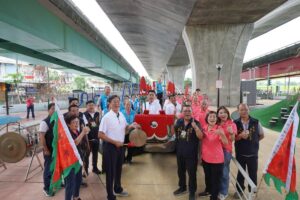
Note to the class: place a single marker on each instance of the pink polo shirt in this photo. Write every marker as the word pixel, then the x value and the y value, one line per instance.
pixel 212 150
pixel 201 116
pixel 196 110
pixel 224 126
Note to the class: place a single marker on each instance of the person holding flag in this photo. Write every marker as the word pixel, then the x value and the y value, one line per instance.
pixel 73 181
pixel 66 159
pixel 249 133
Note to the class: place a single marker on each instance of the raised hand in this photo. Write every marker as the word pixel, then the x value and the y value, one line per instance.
pixel 86 130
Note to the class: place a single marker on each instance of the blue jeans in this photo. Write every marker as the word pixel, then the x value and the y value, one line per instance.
pixel 72 184
pixel 225 177
pixel 47 173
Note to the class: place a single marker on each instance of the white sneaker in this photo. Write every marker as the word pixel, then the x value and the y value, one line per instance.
pixel 222 196
pixel 122 194
pixel 46 193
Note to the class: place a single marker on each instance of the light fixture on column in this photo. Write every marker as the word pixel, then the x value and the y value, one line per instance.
pixel 219 83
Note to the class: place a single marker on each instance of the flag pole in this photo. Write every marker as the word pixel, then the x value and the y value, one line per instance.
pixel 259 185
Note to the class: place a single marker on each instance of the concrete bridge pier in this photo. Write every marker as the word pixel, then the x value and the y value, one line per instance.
pixel 208 45
pixel 176 75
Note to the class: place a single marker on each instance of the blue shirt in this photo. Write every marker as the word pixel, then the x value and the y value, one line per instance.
pixel 129 117
pixel 103 103
pixel 122 107
pixel 159 88
pixel 135 105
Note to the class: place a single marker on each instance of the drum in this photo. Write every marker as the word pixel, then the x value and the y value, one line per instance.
pixel 137 137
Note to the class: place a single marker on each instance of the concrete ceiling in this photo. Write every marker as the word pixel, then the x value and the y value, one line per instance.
pixel 227 11
pixel 230 11
pixel 152 28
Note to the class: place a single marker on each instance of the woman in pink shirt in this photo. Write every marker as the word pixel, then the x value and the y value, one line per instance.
pixel 230 131
pixel 213 139
pixel 203 112
pixel 196 107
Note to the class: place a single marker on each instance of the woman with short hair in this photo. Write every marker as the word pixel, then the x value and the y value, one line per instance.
pixel 73 180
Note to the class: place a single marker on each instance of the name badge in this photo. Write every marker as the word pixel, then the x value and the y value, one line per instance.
pixel 183 134
pixel 93 124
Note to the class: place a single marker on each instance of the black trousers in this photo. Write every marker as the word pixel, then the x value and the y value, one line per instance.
pixel 213 174
pixel 188 164
pixel 113 160
pixel 251 164
pixel 30 108
pixel 94 145
pixel 160 98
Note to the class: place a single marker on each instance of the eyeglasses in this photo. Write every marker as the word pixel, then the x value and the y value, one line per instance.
pixel 187 111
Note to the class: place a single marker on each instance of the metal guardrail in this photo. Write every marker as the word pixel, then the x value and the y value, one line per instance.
pixel 251 195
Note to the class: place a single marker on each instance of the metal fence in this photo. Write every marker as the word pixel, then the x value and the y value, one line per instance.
pixel 244 195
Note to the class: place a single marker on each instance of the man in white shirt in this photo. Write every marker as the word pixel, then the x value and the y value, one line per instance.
pixel 112 131
pixel 173 108
pixel 152 105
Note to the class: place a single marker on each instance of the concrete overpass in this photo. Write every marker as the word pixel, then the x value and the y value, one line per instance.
pixel 172 34
pixel 39 32
pixel 213 32
pixel 284 13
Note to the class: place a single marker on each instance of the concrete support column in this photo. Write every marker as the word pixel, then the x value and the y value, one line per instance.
pixel 176 75
pixel 208 45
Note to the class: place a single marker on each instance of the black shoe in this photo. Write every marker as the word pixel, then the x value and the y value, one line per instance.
pixel 129 162
pixel 86 170
pixel 180 191
pixel 192 196
pixel 204 194
pixel 84 185
pixel 96 171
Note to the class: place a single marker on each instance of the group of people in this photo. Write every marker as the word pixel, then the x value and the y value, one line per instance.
pixel 200 134
pixel 209 136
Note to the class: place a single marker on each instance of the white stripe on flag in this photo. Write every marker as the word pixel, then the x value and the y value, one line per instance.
pixel 292 149
pixel 282 136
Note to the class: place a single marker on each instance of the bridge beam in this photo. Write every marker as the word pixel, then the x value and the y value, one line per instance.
pixel 30 25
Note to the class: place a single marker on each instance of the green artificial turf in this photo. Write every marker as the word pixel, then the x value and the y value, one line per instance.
pixel 264 115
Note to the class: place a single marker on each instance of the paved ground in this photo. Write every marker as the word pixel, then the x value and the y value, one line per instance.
pixel 150 177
